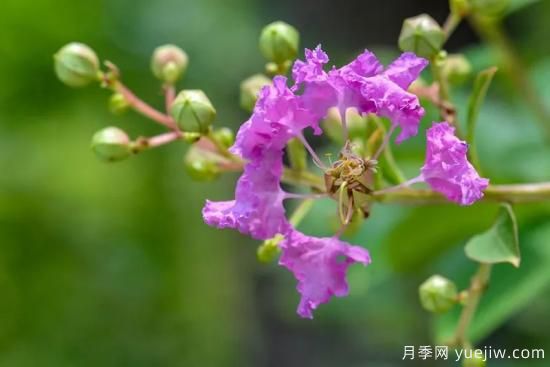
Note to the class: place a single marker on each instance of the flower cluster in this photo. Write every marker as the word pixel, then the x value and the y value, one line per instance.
pixel 282 113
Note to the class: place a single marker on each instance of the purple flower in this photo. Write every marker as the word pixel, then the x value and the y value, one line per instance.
pixel 447 169
pixel 258 206
pixel 364 85
pixel 320 266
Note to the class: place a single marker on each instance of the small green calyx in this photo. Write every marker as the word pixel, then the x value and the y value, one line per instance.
pixel 224 136
pixel 421 35
pixel 193 111
pixel 269 249
pixel 456 68
pixel 438 294
pixel 201 165
pixel 111 144
pixel 76 65
pixel 279 42
pixel 250 87
pixel 169 63
pixel 118 104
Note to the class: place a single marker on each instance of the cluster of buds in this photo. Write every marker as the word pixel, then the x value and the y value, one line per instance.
pixel 189 115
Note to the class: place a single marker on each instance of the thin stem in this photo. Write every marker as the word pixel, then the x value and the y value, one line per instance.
pixel 314 155
pixel 385 142
pixel 300 212
pixel 477 287
pixel 292 195
pixel 518 193
pixel 344 123
pixel 162 139
pixel 169 96
pixel 143 108
pixel 492 32
pixel 303 178
pixel 343 187
pixel 453 20
pixel 402 185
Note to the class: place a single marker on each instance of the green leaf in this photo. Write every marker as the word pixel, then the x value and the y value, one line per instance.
pixel 498 244
pixel 481 85
pixel 510 289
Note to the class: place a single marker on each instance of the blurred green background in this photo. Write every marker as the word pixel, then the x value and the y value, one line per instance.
pixel 111 265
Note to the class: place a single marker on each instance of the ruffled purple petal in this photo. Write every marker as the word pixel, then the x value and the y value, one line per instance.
pixel 389 100
pixel 405 69
pixel 447 169
pixel 320 266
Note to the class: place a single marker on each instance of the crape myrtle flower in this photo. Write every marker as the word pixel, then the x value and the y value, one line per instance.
pixel 364 85
pixel 447 170
pixel 280 114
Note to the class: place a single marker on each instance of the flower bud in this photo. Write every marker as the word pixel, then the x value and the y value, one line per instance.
pixel 438 294
pixel 279 42
pixel 490 8
pixel 76 65
pixel 269 249
pixel 193 111
pixel 421 35
pixel 456 68
pixel 475 360
pixel 118 104
pixel 169 63
pixel 224 137
pixel 111 144
pixel 250 87
pixel 201 165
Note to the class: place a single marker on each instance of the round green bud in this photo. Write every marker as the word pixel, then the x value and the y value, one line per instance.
pixel 111 144
pixel 475 361
pixel 201 165
pixel 269 249
pixel 250 87
pixel 421 35
pixel 456 68
pixel 279 42
pixel 438 294
pixel 76 65
pixel 169 63
pixel 224 136
pixel 193 111
pixel 118 104
pixel 490 8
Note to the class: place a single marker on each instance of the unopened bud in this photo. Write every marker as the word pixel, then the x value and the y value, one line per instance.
pixel 490 8
pixel 118 104
pixel 460 7
pixel 224 136
pixel 438 294
pixel 421 35
pixel 200 164
pixel 250 87
pixel 76 65
pixel 456 68
pixel 111 144
pixel 193 111
pixel 269 249
pixel 477 359
pixel 279 42
pixel 169 63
